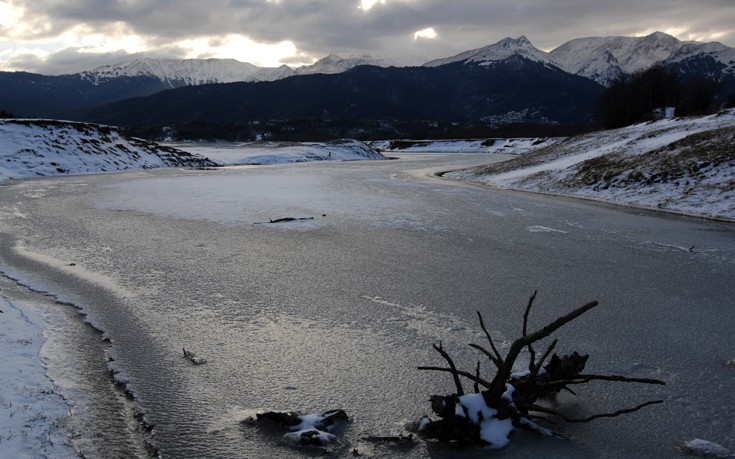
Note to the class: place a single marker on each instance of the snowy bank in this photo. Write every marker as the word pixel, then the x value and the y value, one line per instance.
pixel 32 414
pixel 512 146
pixel 41 148
pixel 682 165
pixel 258 153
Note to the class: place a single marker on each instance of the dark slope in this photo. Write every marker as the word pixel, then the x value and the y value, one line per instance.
pixel 517 87
pixel 30 94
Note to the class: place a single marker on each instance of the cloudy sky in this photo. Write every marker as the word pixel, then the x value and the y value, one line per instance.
pixel 66 36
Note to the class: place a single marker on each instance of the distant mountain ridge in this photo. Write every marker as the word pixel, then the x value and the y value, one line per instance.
pixel 512 90
pixel 175 73
pixel 336 64
pixel 509 81
pixel 604 59
pixel 601 59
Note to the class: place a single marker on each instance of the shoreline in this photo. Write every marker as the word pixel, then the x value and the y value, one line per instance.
pixel 34 415
pixel 63 377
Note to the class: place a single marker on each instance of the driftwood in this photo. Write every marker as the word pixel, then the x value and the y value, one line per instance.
pixel 314 430
pixel 193 358
pixel 284 220
pixel 391 440
pixel 511 400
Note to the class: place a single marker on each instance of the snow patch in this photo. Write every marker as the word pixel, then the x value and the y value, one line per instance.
pixel 32 414
pixel 544 229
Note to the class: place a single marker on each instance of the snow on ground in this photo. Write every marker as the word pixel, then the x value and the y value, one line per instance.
pixel 32 415
pixel 500 145
pixel 281 152
pixel 682 165
pixel 40 148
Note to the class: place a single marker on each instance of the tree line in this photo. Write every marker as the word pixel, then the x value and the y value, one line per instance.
pixel 634 98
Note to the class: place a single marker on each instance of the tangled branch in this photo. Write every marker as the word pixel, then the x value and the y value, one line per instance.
pixel 509 401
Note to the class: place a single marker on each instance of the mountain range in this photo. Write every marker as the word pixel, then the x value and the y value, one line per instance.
pixel 511 80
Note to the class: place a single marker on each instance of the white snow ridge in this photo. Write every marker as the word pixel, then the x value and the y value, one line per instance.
pixel 176 73
pixel 40 148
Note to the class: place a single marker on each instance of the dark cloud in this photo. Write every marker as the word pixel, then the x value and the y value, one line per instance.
pixel 320 27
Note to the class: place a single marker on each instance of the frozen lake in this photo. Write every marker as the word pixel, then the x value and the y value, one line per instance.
pixel 336 311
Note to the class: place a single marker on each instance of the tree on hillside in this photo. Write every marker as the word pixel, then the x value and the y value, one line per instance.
pixel 699 96
pixel 4 114
pixel 632 98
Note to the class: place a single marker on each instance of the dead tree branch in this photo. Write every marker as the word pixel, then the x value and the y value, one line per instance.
pixel 532 353
pixel 513 397
pixel 562 416
pixel 466 374
pixel 452 367
pixel 498 360
pixel 537 366
pixel 504 372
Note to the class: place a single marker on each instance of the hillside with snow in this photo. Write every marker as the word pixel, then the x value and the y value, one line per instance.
pixel 513 146
pixel 681 165
pixel 261 153
pixel 42 148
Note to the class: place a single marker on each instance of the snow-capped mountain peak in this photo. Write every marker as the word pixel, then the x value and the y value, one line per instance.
pixel 336 64
pixel 175 72
pixel 604 59
pixel 721 58
pixel 500 51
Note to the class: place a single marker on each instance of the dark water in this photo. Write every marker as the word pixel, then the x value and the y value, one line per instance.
pixel 337 312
